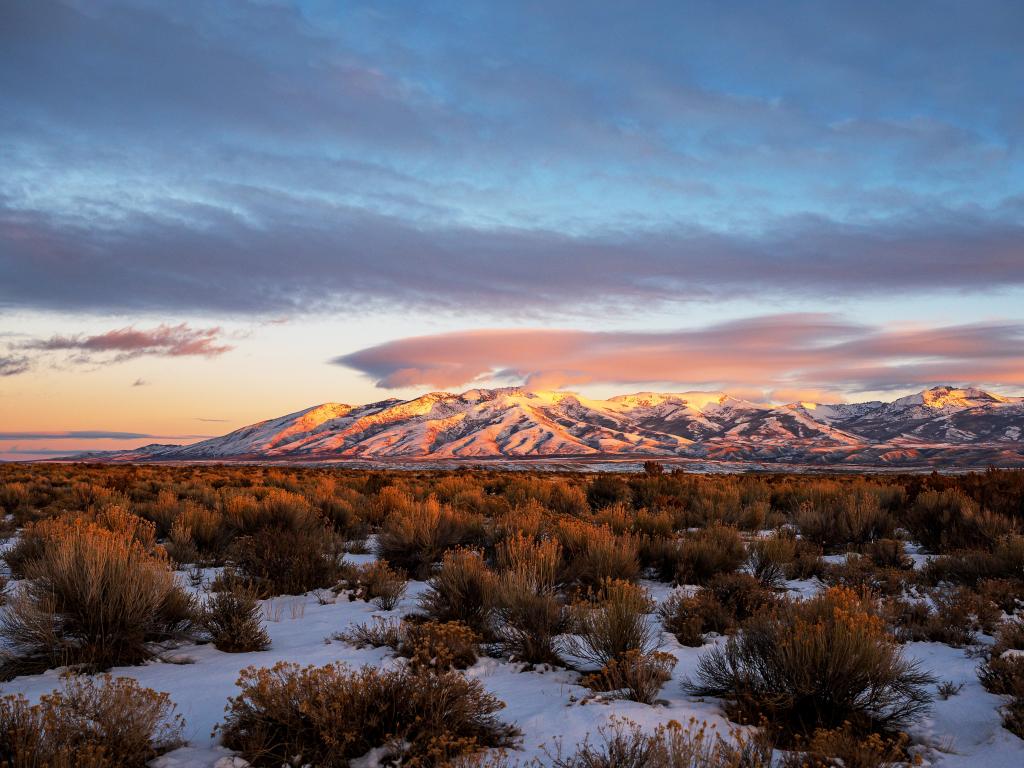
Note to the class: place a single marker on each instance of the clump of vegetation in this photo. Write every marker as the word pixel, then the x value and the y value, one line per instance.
pixel 835 515
pixel 430 644
pixel 92 596
pixel 233 621
pixel 1003 673
pixel 415 535
pixel 623 744
pixel 709 552
pixel 100 722
pixel 462 590
pixel 327 716
pixel 843 748
pixel 721 606
pixel 285 548
pixel 816 663
pixel 612 624
pixel 378 583
pixel 635 676
pixel 594 553
pixel 528 610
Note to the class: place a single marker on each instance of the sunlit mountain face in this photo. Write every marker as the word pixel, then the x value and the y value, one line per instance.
pixel 941 427
pixel 213 212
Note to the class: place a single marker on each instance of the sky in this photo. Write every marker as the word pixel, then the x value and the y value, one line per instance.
pixel 217 213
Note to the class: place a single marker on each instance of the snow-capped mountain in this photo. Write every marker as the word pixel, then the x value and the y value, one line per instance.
pixel 942 426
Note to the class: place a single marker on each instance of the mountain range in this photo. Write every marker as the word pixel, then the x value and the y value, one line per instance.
pixel 942 427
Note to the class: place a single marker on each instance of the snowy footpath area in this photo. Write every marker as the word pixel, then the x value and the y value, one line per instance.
pixel 546 704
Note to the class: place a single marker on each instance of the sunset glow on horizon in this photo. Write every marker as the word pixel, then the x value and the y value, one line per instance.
pixel 213 214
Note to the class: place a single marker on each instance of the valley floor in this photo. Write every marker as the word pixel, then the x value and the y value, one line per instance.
pixel 547 705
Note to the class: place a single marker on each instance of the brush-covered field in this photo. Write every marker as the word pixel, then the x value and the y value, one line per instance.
pixel 232 616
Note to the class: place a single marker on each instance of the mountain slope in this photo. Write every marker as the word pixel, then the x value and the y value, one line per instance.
pixel 942 426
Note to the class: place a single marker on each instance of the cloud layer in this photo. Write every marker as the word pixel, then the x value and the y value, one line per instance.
pixel 779 352
pixel 272 158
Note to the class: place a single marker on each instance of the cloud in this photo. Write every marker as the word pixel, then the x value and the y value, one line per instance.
pixel 213 421
pixel 788 353
pixel 12 365
pixel 293 160
pixel 308 257
pixel 94 435
pixel 126 343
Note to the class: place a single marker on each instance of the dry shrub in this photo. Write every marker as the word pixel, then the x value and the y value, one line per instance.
pixel 816 663
pixel 451 645
pixel 594 553
pixel 378 583
pixel 89 723
pixel 415 535
pixel 1003 673
pixel 526 518
pixel 233 620
pixel 953 617
pixel 727 600
pixel 946 519
pixel 94 597
pixel 426 644
pixel 842 748
pixel 381 633
pixel 770 557
pixel 888 553
pixel 708 552
pixel 622 744
pixel 972 566
pixel 198 534
pixel 860 573
pixel 634 676
pixel 840 514
pixel 606 490
pixel 528 609
pixel 613 624
pixel 288 561
pixel 327 716
pixel 462 590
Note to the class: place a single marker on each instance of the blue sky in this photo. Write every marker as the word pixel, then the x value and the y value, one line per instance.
pixel 371 173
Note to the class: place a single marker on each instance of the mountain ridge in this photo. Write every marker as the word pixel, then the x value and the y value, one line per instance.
pixel 938 427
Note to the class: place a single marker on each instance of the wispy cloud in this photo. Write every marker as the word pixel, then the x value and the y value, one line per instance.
pixel 785 353
pixel 164 340
pixel 95 434
pixel 12 365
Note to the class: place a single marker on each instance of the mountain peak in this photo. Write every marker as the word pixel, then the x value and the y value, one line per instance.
pixel 947 397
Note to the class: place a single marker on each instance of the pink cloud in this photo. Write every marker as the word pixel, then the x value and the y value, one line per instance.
pixel 164 340
pixel 788 353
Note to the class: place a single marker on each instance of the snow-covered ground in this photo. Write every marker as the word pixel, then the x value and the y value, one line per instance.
pixel 546 705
